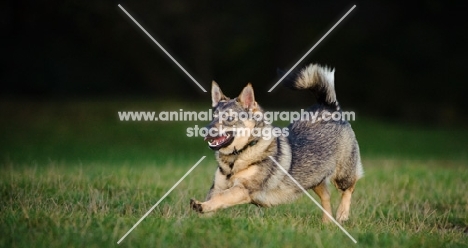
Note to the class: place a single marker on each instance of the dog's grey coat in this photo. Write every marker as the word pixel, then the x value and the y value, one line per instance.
pixel 313 153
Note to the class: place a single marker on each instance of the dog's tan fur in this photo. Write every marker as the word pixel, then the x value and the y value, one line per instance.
pixel 313 153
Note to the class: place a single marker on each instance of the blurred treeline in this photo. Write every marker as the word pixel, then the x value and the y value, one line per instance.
pixel 394 59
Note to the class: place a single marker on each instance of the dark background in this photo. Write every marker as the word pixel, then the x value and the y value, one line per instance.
pixel 394 59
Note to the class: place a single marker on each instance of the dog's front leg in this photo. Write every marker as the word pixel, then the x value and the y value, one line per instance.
pixel 220 184
pixel 238 194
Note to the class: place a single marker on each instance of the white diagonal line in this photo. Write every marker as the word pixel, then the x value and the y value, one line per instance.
pixel 310 50
pixel 160 200
pixel 316 203
pixel 162 48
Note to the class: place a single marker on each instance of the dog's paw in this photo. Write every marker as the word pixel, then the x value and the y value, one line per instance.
pixel 341 217
pixel 196 205
pixel 326 220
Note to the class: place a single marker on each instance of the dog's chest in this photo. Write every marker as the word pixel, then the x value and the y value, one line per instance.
pixel 230 165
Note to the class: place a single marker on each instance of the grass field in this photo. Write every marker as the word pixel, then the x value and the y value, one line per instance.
pixel 72 175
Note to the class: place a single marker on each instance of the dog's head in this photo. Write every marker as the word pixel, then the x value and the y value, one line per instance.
pixel 233 122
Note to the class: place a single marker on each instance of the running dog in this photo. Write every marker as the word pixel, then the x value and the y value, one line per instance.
pixel 313 153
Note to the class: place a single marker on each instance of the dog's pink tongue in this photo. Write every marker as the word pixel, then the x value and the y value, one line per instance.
pixel 218 139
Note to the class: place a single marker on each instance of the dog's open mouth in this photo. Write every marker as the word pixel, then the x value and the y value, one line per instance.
pixel 218 142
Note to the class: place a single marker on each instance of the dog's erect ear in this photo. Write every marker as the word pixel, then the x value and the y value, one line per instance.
pixel 247 98
pixel 216 94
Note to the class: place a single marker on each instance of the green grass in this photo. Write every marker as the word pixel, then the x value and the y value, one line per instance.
pixel 72 175
pixel 398 203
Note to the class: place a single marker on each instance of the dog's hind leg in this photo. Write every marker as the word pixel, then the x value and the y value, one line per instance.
pixel 342 213
pixel 345 178
pixel 322 191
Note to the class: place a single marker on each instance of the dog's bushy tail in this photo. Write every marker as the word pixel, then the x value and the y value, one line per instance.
pixel 320 80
